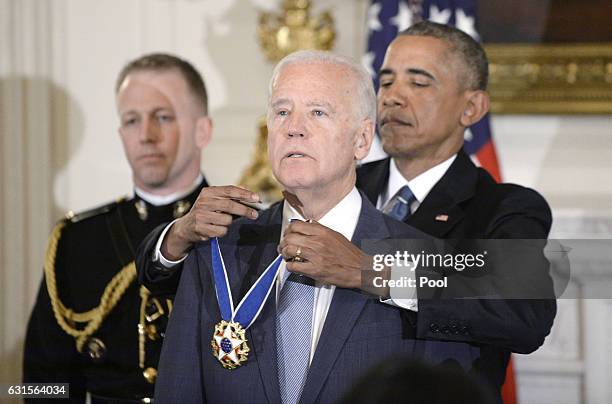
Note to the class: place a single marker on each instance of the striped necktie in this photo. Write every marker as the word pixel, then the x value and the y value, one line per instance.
pixel 293 335
pixel 398 207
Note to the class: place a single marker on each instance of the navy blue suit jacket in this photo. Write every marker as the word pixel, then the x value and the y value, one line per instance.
pixel 359 331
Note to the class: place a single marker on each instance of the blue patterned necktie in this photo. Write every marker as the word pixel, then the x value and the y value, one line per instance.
pixel 398 207
pixel 293 331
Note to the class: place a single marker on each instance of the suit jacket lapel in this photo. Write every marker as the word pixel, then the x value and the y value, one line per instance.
pixel 372 179
pixel 257 247
pixel 441 210
pixel 437 216
pixel 345 308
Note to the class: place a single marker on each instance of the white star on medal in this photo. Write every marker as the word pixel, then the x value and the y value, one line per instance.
pixel 235 342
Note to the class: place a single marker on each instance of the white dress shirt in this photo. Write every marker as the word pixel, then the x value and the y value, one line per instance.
pixel 420 187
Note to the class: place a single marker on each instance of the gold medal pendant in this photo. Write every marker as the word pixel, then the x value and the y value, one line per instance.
pixel 229 344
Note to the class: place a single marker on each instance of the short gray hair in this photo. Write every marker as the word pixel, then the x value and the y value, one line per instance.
pixel 366 97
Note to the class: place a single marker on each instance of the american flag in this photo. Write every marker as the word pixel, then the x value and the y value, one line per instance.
pixel 385 18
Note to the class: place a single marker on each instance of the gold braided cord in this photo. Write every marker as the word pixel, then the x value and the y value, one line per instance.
pixel 144 298
pixel 93 318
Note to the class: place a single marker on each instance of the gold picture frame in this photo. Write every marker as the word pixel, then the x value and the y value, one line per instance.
pixel 550 78
pixel 548 56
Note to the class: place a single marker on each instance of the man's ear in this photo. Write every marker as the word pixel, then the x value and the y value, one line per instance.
pixel 203 131
pixel 364 138
pixel 476 106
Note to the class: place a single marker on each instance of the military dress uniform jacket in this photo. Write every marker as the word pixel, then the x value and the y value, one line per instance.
pixel 89 265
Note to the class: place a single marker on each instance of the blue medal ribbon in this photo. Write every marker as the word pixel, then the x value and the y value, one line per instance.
pixel 251 304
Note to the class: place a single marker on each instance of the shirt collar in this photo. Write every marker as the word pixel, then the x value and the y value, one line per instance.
pixel 419 185
pixel 158 200
pixel 342 218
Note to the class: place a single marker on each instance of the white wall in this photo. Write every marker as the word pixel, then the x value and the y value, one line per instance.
pixel 60 148
pixel 566 158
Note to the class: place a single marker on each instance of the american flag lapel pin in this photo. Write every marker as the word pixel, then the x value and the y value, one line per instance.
pixel 442 218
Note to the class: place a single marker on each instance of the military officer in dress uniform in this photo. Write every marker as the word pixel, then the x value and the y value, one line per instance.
pixel 92 325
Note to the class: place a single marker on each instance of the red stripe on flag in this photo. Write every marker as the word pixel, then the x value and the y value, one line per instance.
pixel 488 160
pixel 509 387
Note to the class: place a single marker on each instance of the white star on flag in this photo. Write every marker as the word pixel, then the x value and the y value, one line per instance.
pixel 367 61
pixel 467 135
pixel 403 19
pixel 227 333
pixel 465 23
pixel 373 21
pixel 440 16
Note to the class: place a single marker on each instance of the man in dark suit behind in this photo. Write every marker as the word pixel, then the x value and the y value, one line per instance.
pixel 432 88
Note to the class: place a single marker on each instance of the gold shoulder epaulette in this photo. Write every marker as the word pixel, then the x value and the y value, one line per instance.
pixel 77 217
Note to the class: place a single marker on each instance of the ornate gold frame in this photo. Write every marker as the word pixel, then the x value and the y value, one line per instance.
pixel 550 78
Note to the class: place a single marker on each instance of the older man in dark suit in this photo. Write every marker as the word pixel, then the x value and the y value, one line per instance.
pixel 309 330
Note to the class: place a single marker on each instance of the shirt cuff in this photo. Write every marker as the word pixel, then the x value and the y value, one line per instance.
pixel 157 254
pixel 405 295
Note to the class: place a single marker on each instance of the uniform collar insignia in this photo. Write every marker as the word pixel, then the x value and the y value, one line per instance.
pixel 141 208
pixel 180 208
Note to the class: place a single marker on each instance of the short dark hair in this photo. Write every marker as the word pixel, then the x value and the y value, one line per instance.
pixel 161 62
pixel 469 51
